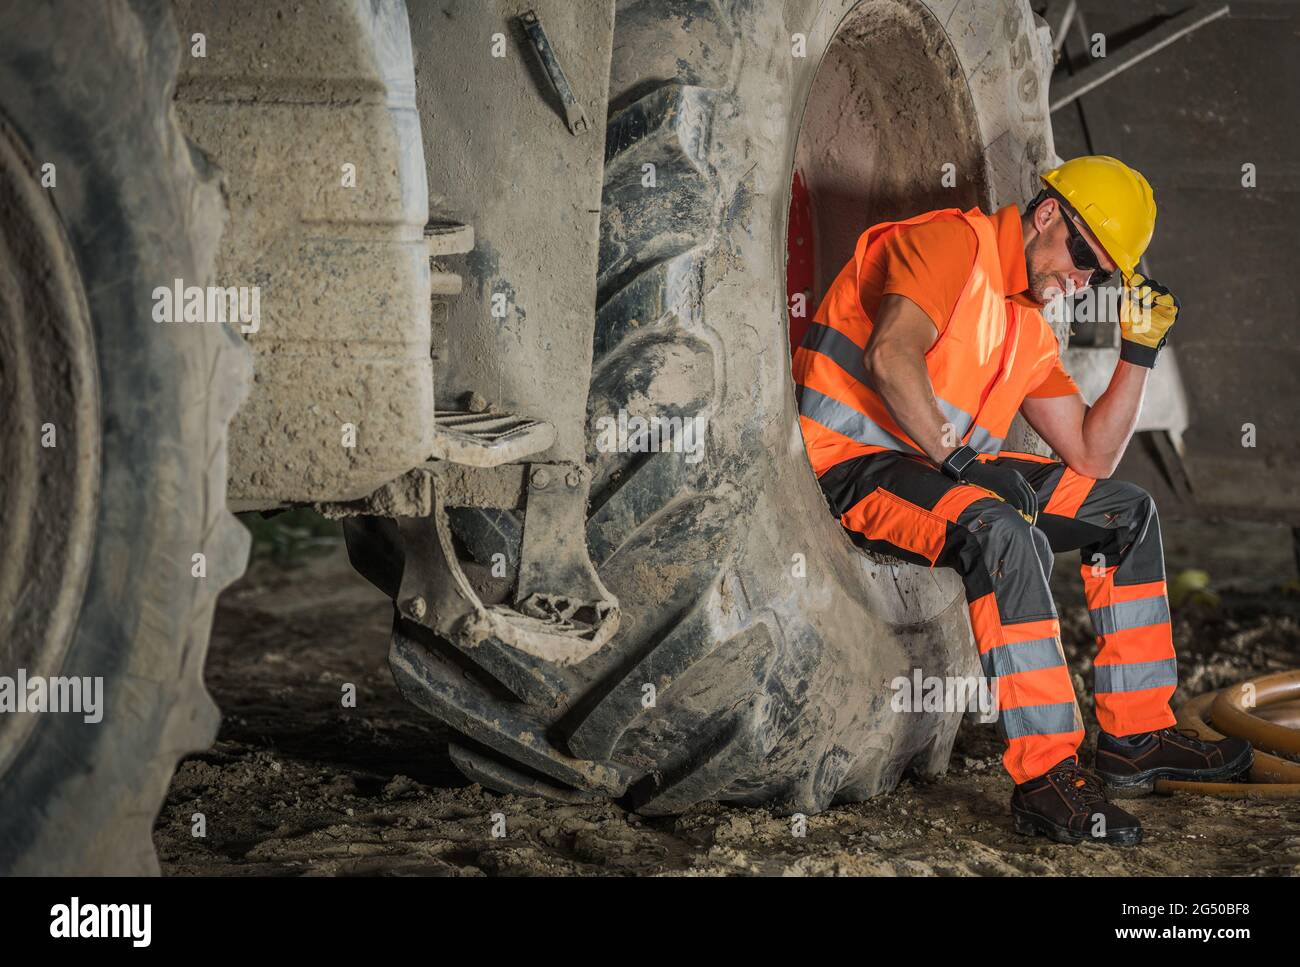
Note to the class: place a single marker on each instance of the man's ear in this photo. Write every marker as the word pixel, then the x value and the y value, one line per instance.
pixel 1044 214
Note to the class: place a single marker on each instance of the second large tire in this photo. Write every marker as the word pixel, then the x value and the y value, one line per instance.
pixel 112 419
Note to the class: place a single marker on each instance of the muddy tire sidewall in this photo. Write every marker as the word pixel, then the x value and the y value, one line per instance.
pixel 841 625
pixel 140 210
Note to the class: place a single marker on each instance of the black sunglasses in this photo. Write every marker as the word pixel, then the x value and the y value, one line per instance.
pixel 1081 252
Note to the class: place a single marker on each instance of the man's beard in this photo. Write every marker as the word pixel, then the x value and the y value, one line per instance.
pixel 1044 287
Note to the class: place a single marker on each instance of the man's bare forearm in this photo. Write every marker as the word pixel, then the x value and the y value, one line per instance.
pixel 903 383
pixel 1109 423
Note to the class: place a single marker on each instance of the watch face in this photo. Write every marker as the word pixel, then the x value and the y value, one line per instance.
pixel 958 461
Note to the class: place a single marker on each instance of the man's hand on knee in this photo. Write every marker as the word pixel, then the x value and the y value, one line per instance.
pixel 1003 482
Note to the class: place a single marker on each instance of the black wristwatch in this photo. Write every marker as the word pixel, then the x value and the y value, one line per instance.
pixel 961 458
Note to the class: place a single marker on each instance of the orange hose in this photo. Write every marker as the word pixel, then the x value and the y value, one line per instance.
pixel 1283 713
pixel 1266 767
pixel 1231 714
pixel 1265 726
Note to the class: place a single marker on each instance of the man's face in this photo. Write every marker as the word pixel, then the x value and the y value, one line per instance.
pixel 1051 270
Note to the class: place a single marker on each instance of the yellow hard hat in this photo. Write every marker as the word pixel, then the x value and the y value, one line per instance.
pixel 1114 200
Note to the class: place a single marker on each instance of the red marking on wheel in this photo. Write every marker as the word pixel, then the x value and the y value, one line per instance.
pixel 799 260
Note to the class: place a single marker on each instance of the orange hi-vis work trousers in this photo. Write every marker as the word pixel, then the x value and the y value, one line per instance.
pixel 901 505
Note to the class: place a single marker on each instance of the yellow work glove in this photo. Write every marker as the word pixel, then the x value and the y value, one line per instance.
pixel 1147 311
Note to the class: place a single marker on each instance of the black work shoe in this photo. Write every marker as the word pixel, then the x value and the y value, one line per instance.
pixel 1130 765
pixel 1069 805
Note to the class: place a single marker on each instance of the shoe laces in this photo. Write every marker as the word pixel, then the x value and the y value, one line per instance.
pixel 1082 784
pixel 1172 730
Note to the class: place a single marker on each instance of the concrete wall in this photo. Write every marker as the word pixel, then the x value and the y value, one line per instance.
pixel 1189 117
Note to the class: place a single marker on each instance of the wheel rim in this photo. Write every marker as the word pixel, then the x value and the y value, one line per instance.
pixel 50 435
pixel 887 108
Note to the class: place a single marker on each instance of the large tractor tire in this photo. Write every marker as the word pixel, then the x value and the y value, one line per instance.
pixel 757 646
pixel 112 488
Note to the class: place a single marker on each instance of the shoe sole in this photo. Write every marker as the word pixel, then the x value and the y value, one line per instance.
pixel 1144 783
pixel 1029 824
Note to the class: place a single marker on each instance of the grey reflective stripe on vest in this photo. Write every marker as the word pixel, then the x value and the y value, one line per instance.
pixel 1016 723
pixel 1135 676
pixel 1022 656
pixel 848 356
pixel 834 344
pixel 959 418
pixel 834 415
pixel 985 442
pixel 1123 615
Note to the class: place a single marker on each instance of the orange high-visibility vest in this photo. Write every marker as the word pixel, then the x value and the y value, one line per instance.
pixel 987 359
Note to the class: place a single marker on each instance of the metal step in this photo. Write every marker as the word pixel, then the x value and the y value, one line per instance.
pixel 446 237
pixel 487 438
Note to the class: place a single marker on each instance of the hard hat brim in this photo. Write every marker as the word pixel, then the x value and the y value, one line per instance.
pixel 1096 222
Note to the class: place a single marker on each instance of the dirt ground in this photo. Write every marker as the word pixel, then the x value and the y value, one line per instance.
pixel 298 784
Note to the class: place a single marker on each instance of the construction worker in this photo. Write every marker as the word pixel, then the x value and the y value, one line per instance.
pixel 925 347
